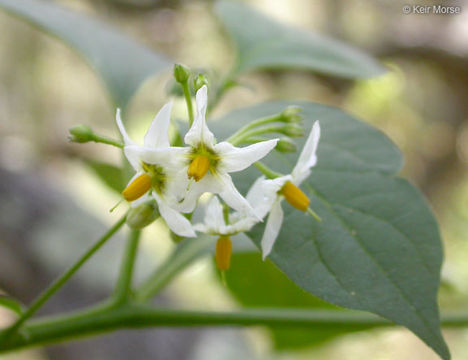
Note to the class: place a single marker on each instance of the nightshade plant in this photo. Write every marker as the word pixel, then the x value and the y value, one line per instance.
pixel 371 244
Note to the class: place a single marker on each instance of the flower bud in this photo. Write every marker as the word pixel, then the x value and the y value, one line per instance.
pixel 286 145
pixel 81 134
pixel 199 81
pixel 291 115
pixel 293 130
pixel 181 73
pixel 142 215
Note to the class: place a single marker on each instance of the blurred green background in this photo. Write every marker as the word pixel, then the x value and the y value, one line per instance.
pixel 53 204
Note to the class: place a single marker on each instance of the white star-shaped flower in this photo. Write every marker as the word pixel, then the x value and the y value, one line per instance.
pixel 210 163
pixel 220 222
pixel 287 187
pixel 157 167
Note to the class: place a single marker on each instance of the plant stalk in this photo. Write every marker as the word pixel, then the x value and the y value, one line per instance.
pixel 57 284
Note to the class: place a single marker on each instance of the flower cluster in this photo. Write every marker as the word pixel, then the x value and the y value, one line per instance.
pixel 176 176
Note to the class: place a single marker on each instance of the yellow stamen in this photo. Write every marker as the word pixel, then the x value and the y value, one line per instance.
pixel 295 196
pixel 137 187
pixel 223 253
pixel 198 167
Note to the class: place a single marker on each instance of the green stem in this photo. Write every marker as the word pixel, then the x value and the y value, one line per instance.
pixel 106 318
pixel 188 100
pixel 185 253
pixel 265 170
pixel 57 284
pixel 107 140
pixel 242 133
pixel 124 282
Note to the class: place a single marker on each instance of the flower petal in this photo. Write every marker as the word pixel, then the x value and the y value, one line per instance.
pixel 272 228
pixel 133 157
pixel 232 197
pixel 123 132
pixel 263 194
pixel 174 220
pixel 140 200
pixel 158 132
pixel 214 214
pixel 171 157
pixel 237 159
pixel 209 183
pixel 199 132
pixel 308 157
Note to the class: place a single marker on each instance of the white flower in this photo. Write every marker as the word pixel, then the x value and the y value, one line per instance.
pixel 157 167
pixel 210 163
pixel 219 221
pixel 237 222
pixel 275 190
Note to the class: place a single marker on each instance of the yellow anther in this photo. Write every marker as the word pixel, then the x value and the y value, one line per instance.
pixel 198 167
pixel 137 188
pixel 295 196
pixel 223 253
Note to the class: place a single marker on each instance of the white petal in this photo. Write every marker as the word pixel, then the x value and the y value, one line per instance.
pixel 232 197
pixel 173 157
pixel 158 132
pixel 242 225
pixel 263 194
pixel 308 157
pixel 140 200
pixel 199 132
pixel 175 220
pixel 133 157
pixel 272 228
pixel 203 228
pixel 209 183
pixel 214 214
pixel 237 159
pixel 125 137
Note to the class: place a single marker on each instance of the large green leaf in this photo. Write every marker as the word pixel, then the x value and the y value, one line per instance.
pixel 263 43
pixel 378 246
pixel 123 63
pixel 255 283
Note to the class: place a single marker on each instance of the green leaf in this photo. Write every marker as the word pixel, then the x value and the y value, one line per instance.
pixel 263 43
pixel 378 246
pixel 11 304
pixel 123 63
pixel 255 283
pixel 110 175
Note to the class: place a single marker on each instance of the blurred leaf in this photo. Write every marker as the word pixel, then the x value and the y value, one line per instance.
pixel 111 175
pixel 263 43
pixel 255 283
pixel 11 304
pixel 378 246
pixel 122 62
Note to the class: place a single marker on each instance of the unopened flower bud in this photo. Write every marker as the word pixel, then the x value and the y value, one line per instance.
pixel 291 115
pixel 81 134
pixel 293 130
pixel 199 81
pixel 181 73
pixel 286 145
pixel 142 215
